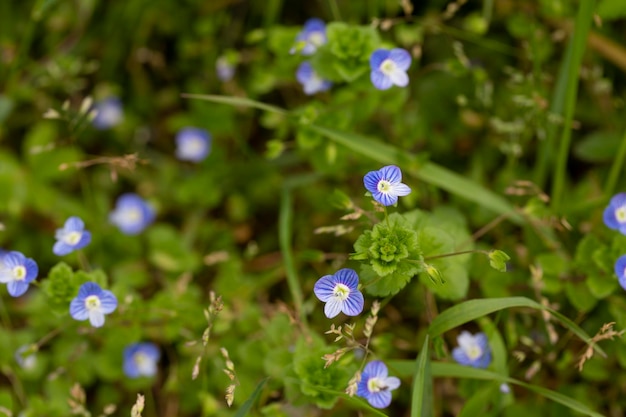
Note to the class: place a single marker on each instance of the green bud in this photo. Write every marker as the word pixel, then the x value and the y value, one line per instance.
pixel 498 259
pixel 434 274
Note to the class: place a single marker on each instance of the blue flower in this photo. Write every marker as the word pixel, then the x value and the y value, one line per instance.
pixel 108 113
pixel 386 185
pixel 389 68
pixel 224 68
pixel 311 82
pixel 615 213
pixel 620 270
pixel 71 237
pixel 140 359
pixel 92 302
pixel 375 386
pixel 132 214
pixel 473 350
pixel 25 356
pixel 340 293
pixel 192 144
pixel 505 388
pixel 312 36
pixel 17 271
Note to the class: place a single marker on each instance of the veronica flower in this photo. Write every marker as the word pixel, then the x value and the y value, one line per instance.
pixel 108 113
pixel 193 144
pixel 620 270
pixel 615 213
pixel 25 356
pixel 375 386
pixel 389 68
pixel 71 237
pixel 340 293
pixel 132 214
pixel 224 68
pixel 386 185
pixel 473 350
pixel 310 80
pixel 140 359
pixel 17 271
pixel 312 36
pixel 92 302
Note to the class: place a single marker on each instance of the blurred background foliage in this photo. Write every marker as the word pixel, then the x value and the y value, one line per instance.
pixel 486 100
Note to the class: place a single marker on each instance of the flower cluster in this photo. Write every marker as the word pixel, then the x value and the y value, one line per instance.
pixel 615 218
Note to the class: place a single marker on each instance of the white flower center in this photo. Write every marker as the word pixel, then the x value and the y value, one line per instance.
pixel 131 215
pixel 388 67
pixel 383 186
pixel 620 214
pixel 109 114
pixel 193 146
pixel 72 238
pixel 341 291
pixel 92 302
pixel 19 273
pixel 474 352
pixel 316 39
pixel 376 384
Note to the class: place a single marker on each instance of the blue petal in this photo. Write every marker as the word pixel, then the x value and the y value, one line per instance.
pixel 314 25
pixel 371 180
pixel 353 305
pixel 401 58
pixel 392 382
pixel 74 224
pixel 78 311
pixel 96 317
pixel 89 288
pixel 108 302
pixel 380 80
pixel 400 189
pixel 32 270
pixel 380 399
pixel 17 288
pixel 333 307
pixel 304 72
pixel 13 259
pixel 324 288
pixel 377 58
pixel 347 277
pixel 620 270
pixel 61 248
pixel 460 357
pixel 376 369
pixel 85 239
pixel 386 199
pixel 391 173
pixel 609 218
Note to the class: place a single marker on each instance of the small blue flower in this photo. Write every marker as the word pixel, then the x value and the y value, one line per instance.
pixel 386 185
pixel 192 144
pixel 108 113
pixel 375 386
pixel 312 36
pixel 505 388
pixel 473 350
pixel 311 82
pixel 17 271
pixel 340 293
pixel 389 68
pixel 140 359
pixel 25 356
pixel 620 270
pixel 224 68
pixel 71 237
pixel 132 214
pixel 615 213
pixel 92 302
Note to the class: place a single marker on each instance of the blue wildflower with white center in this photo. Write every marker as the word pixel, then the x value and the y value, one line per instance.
pixel 131 214
pixel 311 82
pixel 108 113
pixel 620 270
pixel 376 386
pixel 340 293
pixel 26 357
pixel 615 214
pixel 312 36
pixel 473 350
pixel 224 68
pixel 386 185
pixel 71 237
pixel 17 271
pixel 140 359
pixel 192 144
pixel 93 303
pixel 389 68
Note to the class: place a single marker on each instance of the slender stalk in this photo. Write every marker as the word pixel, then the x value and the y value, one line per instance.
pixel 334 10
pixel 616 168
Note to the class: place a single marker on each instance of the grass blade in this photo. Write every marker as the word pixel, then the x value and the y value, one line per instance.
pixel 422 397
pixel 284 236
pixel 247 405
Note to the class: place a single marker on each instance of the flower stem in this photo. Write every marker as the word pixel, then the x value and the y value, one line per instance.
pixel 447 255
pixel 617 166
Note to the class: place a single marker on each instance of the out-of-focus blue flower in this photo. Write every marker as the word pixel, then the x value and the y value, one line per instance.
pixel 92 302
pixel 505 388
pixel 224 68
pixel 132 214
pixel 473 350
pixel 620 270
pixel 25 356
pixel 312 36
pixel 109 113
pixel 192 144
pixel 386 185
pixel 615 213
pixel 375 386
pixel 340 293
pixel 140 359
pixel 311 82
pixel 71 237
pixel 17 271
pixel 389 68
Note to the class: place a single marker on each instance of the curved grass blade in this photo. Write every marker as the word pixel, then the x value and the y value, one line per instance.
pixel 247 405
pixel 236 101
pixel 422 396
pixel 355 401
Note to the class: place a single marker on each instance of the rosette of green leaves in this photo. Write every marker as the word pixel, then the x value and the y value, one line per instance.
pixel 62 285
pixel 345 56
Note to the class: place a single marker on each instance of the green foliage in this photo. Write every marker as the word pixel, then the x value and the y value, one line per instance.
pixel 62 285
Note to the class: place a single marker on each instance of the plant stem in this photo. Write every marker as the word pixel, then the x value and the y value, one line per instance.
pixel 618 164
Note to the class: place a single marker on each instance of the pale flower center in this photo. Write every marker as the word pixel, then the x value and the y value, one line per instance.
pixel 388 67
pixel 316 39
pixel 193 146
pixel 132 215
pixel 620 214
pixel 19 273
pixel 142 361
pixel 474 352
pixel 92 302
pixel 384 186
pixel 341 292
pixel 72 238
pixel 376 384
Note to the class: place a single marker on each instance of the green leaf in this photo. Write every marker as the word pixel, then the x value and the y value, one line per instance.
pixel 498 259
pixel 611 9
pixel 247 405
pixel 422 396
